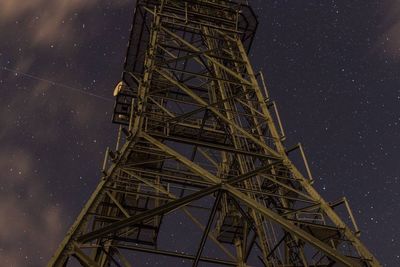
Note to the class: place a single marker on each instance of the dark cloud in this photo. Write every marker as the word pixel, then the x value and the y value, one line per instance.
pixel 389 42
pixel 26 218
pixel 46 20
pixel 49 24
pixel 49 118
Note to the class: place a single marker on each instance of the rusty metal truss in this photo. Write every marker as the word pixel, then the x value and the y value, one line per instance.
pixel 200 175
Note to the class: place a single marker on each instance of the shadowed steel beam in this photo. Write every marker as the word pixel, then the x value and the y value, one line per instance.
pixel 84 259
pixel 194 167
pixel 290 227
pixel 116 202
pixel 176 254
pixel 207 229
pixel 214 146
pixel 114 227
pixel 188 114
pixel 122 258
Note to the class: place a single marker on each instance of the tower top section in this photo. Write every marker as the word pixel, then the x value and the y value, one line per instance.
pixel 188 15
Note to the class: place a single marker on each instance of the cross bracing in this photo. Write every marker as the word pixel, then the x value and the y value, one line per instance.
pixel 200 175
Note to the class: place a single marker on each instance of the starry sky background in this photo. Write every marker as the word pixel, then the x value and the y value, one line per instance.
pixel 332 66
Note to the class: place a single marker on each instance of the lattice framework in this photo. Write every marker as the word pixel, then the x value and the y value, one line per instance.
pixel 200 144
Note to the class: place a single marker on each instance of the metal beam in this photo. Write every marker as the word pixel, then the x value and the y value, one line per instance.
pixel 177 255
pixel 207 229
pixel 216 146
pixel 192 166
pixel 114 227
pixel 290 226
pixel 84 259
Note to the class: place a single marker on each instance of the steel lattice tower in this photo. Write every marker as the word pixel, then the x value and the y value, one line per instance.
pixel 200 173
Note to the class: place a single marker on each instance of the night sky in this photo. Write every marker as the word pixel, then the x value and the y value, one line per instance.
pixel 332 66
